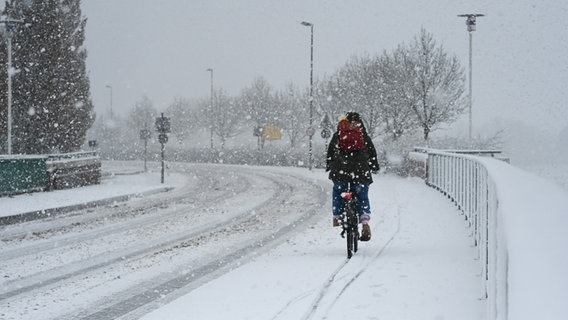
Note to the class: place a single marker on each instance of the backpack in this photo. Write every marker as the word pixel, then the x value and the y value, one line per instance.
pixel 350 135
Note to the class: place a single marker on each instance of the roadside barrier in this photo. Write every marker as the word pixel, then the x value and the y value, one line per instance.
pixel 71 170
pixel 30 173
pixel 465 180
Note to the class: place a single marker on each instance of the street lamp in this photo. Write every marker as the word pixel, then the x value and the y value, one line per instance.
pixel 9 25
pixel 111 125
pixel 311 129
pixel 470 22
pixel 211 104
pixel 110 87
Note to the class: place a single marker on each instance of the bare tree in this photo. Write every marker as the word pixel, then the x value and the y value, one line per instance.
pixel 256 101
pixel 395 86
pixel 224 116
pixel 329 95
pixel 438 84
pixel 352 88
pixel 294 113
pixel 364 90
pixel 109 132
pixel 142 115
pixel 183 115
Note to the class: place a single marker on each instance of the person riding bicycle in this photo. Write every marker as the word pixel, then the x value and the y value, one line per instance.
pixel 351 158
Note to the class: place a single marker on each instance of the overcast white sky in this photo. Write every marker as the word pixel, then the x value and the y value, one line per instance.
pixel 162 49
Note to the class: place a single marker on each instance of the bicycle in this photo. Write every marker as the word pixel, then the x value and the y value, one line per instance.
pixel 350 223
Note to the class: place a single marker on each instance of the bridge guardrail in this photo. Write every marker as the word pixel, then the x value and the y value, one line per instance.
pixel 466 181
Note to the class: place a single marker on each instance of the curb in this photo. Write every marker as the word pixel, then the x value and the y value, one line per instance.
pixel 44 213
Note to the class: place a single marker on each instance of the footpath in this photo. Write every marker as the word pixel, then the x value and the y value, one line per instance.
pixel 419 264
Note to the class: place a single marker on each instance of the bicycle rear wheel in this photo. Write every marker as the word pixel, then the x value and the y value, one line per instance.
pixel 350 226
pixel 351 247
pixel 355 240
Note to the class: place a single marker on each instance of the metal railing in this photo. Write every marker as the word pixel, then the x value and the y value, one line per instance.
pixel 72 170
pixel 466 181
pixel 72 156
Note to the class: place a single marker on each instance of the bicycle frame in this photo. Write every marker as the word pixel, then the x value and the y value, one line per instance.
pixel 350 223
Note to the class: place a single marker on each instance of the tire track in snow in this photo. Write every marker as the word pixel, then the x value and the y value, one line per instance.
pixel 140 220
pixel 50 248
pixel 365 266
pixel 284 187
pixel 44 278
pixel 326 290
pixel 68 221
pixel 127 307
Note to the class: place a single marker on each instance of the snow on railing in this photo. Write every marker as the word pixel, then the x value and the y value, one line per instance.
pixel 466 181
pixel 72 156
pixel 518 222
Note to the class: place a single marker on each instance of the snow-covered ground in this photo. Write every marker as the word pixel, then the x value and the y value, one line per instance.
pixel 555 172
pixel 420 263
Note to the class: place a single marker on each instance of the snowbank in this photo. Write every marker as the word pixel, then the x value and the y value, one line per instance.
pixel 535 215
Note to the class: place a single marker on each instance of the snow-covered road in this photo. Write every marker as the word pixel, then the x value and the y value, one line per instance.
pixel 235 242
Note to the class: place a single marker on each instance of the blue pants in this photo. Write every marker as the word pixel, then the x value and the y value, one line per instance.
pixel 360 191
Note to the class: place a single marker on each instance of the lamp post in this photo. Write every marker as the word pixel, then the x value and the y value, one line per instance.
pixel 110 87
pixel 211 104
pixel 111 125
pixel 9 25
pixel 471 23
pixel 311 129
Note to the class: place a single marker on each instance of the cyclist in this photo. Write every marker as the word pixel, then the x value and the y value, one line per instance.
pixel 351 158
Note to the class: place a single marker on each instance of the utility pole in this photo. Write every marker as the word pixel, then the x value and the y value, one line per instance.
pixel 9 26
pixel 471 26
pixel 110 88
pixel 211 103
pixel 311 130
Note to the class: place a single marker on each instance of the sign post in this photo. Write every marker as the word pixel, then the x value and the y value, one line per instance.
pixel 163 127
pixel 145 134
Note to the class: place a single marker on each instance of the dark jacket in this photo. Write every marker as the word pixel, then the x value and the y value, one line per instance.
pixel 352 166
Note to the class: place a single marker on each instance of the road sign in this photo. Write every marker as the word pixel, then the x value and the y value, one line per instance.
pixel 145 134
pixel 163 138
pixel 311 131
pixel 325 133
pixel 163 124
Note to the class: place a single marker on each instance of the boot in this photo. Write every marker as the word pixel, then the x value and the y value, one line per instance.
pixel 366 233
